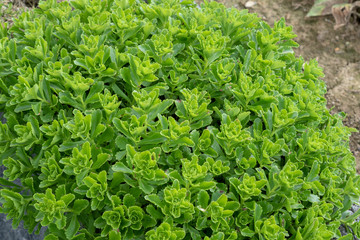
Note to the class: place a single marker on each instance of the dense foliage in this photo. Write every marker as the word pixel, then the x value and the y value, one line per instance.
pixel 165 121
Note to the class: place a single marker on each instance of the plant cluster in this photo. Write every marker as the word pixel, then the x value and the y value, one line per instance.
pixel 165 121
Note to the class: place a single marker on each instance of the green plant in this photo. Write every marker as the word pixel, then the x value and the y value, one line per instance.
pixel 127 120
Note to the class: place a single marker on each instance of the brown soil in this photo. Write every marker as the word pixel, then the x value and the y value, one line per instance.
pixel 337 51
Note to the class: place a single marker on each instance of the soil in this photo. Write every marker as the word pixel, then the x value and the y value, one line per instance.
pixel 337 51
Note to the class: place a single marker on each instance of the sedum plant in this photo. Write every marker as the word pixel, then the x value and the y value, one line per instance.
pixel 165 121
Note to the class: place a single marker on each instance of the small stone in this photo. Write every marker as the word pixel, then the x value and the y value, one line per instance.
pixel 250 4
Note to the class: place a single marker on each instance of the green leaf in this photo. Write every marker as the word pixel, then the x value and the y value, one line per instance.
pixel 80 205
pixel 207 185
pixel 73 227
pixel 155 200
pixel 68 198
pixel 96 126
pixel 51 237
pixel 314 172
pixel 67 98
pixel 120 167
pixel 129 200
pixel 203 199
pixel 36 108
pixel 100 160
pixel 5 182
pixel 113 235
pixel 70 145
pixel 258 212
pixel 145 186
pixel 247 232
pixel 194 233
pixel 161 108
pixel 149 221
pixel 154 213
pixel 346 237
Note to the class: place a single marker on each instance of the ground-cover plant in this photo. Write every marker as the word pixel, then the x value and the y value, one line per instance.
pixel 128 120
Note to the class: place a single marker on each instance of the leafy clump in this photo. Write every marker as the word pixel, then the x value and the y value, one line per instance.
pixel 128 120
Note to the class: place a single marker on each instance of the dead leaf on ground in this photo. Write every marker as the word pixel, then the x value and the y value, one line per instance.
pixel 324 7
pixel 343 12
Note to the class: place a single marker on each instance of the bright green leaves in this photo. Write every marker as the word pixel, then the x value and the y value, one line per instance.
pixel 290 175
pixel 140 71
pixel 145 163
pixel 165 232
pixel 80 126
pixel 123 217
pixel 150 104
pixel 13 168
pixel 159 10
pixel 50 169
pixel 270 149
pixel 160 47
pixel 175 201
pixel 127 25
pixel 81 162
pixel 55 132
pixel 217 167
pixel 77 83
pixel 136 215
pixel 192 171
pixel 232 134
pixel 51 209
pixel 217 211
pixel 204 142
pixel 143 167
pixel 115 218
pixel 270 229
pixel 13 205
pixel 97 65
pixel 143 160
pixel 213 46
pixel 248 186
pixel 215 214
pixel 5 137
pixel 80 101
pixel 28 135
pixel 85 126
pixel 133 128
pixel 222 72
pixel 194 108
pixel 175 133
pixel 147 100
pixel 178 203
pixel 97 185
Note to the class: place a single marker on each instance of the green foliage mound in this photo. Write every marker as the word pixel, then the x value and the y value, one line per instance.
pixel 165 121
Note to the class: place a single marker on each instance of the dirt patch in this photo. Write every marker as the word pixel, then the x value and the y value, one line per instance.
pixel 337 51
